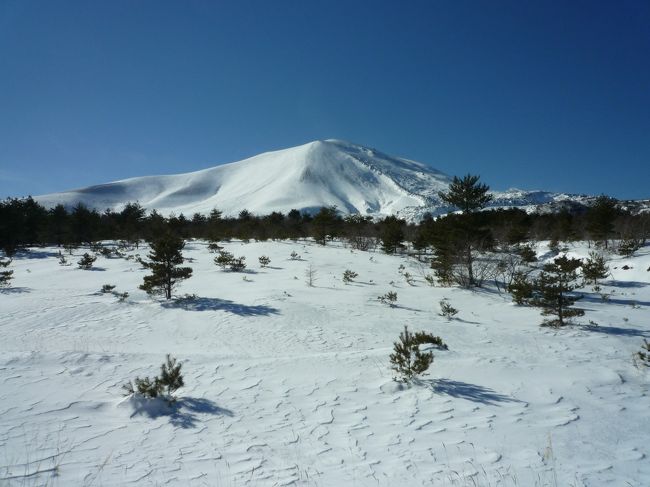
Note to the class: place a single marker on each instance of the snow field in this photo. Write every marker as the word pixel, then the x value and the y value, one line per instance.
pixel 290 385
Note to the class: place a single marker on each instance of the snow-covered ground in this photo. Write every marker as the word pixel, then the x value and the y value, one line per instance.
pixel 290 385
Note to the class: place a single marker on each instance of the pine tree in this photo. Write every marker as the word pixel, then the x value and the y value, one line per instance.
pixel 594 268
pixel 224 259
pixel 407 360
pixel 600 219
pixel 86 262
pixel 392 234
pixel 554 286
pixel 465 233
pixel 5 276
pixel 466 194
pixel 166 258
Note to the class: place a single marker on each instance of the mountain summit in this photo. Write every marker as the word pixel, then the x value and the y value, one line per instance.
pixel 354 178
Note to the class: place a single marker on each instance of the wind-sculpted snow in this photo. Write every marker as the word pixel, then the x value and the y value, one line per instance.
pixel 355 179
pixel 291 385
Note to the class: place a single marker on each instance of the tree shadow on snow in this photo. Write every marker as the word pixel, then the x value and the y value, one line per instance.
pixel 611 300
pixel 34 254
pixel 14 290
pixel 216 304
pixel 182 413
pixel 615 330
pixel 634 284
pixel 470 392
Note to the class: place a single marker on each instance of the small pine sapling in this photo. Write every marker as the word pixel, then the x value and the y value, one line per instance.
pixel 527 254
pixel 555 285
pixel 214 247
pixel 628 246
pixel 166 384
pixel 431 280
pixel 390 298
pixel 521 288
pixel 594 268
pixel 310 275
pixel 224 259
pixel 264 260
pixel 5 275
pixel 165 258
pixel 294 255
pixel 407 361
pixel 107 288
pixel 643 356
pixel 170 376
pixel 349 276
pixel 409 279
pixel 238 265
pixel 447 310
pixel 86 262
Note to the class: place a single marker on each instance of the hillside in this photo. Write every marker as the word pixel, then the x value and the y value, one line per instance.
pixel 353 178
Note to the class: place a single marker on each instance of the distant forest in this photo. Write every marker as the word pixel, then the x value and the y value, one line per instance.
pixel 24 222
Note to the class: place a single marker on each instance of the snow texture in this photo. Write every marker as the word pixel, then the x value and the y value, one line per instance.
pixel 290 385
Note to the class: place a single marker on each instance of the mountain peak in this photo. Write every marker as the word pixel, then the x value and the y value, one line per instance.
pixel 330 172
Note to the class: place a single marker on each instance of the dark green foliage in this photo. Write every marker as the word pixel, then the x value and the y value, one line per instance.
pixel 424 338
pixel 107 288
pixel 238 265
pixel 349 276
pixel 165 260
pixel 464 235
pixel 170 375
pixel 325 224
pixel 390 298
pixel 264 260
pixel 24 223
pixel 643 356
pixel 521 288
pixel 443 261
pixel 407 361
pixel 130 221
pixel 447 310
pixel 214 246
pixel 5 276
pixel 554 287
pixel 86 262
pixel 224 259
pixel 527 254
pixel 167 383
pixel 628 246
pixel 391 234
pixel 466 194
pixel 594 268
pixel 600 219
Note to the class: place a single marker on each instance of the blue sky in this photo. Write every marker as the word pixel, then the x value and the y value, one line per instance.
pixel 536 95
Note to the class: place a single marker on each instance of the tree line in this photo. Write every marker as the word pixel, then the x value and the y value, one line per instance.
pixel 453 238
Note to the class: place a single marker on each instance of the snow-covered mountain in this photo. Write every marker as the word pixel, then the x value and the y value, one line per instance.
pixel 354 178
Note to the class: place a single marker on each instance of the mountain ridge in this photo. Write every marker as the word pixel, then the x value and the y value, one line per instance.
pixel 330 172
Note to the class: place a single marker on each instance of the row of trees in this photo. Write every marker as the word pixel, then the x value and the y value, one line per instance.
pixel 23 222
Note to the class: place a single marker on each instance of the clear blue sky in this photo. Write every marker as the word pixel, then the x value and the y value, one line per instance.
pixel 536 95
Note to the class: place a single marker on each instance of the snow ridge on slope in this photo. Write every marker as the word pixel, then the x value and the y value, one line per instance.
pixel 354 178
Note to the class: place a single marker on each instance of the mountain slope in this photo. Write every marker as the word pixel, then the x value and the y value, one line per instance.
pixel 354 178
